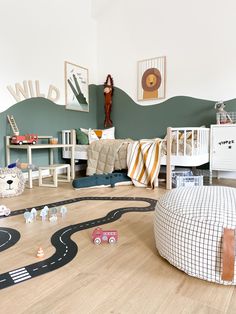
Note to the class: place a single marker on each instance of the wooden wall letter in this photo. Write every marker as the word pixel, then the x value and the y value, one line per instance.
pixel 56 93
pixel 30 89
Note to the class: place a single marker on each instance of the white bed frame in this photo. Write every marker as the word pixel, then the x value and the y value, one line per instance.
pixel 198 155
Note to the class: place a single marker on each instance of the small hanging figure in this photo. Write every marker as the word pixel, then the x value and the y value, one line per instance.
pixel 108 92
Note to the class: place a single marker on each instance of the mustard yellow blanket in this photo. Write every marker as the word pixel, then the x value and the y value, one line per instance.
pixel 143 160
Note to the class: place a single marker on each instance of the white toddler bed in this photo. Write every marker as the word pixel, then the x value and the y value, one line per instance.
pixel 187 147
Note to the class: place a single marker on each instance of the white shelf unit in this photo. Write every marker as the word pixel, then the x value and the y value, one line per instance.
pixel 223 147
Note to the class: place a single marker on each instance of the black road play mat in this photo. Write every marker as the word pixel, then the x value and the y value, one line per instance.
pixel 66 249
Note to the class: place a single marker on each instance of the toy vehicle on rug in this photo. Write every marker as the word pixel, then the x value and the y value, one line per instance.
pixel 99 235
pixel 4 211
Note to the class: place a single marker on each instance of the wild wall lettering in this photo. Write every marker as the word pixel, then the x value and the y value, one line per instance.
pixel 29 89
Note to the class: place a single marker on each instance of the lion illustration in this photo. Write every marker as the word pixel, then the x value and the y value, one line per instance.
pixel 12 182
pixel 151 81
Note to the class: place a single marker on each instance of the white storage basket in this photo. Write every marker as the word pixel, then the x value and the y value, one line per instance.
pixel 187 181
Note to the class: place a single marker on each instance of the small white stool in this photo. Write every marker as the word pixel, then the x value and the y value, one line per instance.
pixel 53 171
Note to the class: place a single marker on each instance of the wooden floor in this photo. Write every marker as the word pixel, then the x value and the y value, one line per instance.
pixel 128 277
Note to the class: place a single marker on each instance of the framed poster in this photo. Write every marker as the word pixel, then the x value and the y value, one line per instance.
pixel 152 79
pixel 76 87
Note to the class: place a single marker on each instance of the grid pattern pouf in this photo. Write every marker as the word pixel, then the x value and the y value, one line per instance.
pixel 194 230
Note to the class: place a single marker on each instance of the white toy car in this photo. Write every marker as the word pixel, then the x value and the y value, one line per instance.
pixel 4 211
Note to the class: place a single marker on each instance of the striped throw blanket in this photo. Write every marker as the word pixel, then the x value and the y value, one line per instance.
pixel 143 160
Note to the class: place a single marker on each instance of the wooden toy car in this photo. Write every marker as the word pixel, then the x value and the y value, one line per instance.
pixel 4 211
pixel 100 235
pixel 24 139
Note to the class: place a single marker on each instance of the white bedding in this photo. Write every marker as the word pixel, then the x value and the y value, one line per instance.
pixel 192 151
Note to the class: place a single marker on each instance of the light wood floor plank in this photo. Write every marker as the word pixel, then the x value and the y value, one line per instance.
pixel 128 277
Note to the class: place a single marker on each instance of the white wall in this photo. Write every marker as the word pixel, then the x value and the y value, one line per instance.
pixel 197 37
pixel 38 36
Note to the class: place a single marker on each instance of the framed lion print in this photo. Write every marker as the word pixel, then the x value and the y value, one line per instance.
pixel 152 79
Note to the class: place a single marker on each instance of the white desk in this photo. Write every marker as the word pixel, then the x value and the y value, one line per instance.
pixel 30 148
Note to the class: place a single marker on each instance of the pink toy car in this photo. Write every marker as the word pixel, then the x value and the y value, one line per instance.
pixel 100 235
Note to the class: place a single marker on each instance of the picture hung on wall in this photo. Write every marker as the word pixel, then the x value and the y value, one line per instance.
pixel 76 87
pixel 152 78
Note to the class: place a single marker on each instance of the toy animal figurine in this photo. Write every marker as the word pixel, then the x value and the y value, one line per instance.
pixel 28 216
pixel 222 115
pixel 96 180
pixel 108 92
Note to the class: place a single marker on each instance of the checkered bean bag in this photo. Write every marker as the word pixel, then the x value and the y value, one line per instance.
pixel 194 230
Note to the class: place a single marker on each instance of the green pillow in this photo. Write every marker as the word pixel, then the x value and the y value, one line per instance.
pixel 82 138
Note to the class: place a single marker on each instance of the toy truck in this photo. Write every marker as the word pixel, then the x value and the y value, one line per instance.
pixel 100 235
pixel 24 139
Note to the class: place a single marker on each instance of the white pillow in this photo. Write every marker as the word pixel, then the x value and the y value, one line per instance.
pixel 108 134
pixel 84 130
pixel 92 136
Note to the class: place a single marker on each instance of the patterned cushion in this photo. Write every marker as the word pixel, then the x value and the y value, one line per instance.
pixel 95 135
pixel 189 225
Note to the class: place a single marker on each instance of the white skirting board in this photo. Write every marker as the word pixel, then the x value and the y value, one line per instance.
pixel 224 174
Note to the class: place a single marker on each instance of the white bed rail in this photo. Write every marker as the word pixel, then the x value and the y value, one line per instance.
pixel 195 139
pixel 185 142
pixel 67 137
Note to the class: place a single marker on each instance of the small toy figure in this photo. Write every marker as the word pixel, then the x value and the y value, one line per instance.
pixel 222 115
pixel 44 213
pixel 53 218
pixel 28 216
pixel 53 211
pixel 53 214
pixel 4 211
pixel 100 235
pixel 108 92
pixel 40 252
pixel 34 213
pixel 63 211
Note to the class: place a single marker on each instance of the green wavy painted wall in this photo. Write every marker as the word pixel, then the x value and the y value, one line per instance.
pixel 135 121
pixel 42 116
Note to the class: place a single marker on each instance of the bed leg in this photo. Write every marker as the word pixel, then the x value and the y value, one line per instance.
pixel 73 141
pixel 168 160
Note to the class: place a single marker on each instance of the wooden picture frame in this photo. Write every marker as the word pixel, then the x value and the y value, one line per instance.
pixel 152 79
pixel 76 87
